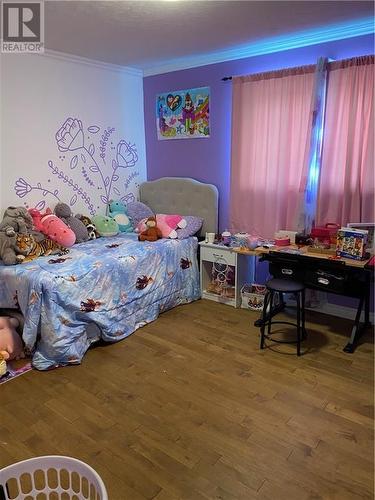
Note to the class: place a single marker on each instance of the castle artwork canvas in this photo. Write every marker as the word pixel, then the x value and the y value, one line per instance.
pixel 183 114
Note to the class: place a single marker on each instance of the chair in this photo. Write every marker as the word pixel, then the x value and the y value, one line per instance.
pixel 51 477
pixel 280 286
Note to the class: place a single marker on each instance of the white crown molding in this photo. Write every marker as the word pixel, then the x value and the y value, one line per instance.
pixel 63 56
pixel 268 46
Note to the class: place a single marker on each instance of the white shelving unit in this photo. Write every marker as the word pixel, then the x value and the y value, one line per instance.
pixel 219 258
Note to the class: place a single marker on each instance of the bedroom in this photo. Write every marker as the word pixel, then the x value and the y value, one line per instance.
pixel 207 414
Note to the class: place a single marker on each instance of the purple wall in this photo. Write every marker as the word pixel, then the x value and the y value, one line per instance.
pixel 208 159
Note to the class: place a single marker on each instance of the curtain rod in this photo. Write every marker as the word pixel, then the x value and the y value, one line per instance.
pixel 228 78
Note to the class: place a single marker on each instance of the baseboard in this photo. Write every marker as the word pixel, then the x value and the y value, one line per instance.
pixel 339 311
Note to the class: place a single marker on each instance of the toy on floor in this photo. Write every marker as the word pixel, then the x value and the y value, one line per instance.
pixel 3 366
pixel 63 211
pixel 16 220
pixel 117 210
pixel 53 227
pixel 11 346
pixel 152 232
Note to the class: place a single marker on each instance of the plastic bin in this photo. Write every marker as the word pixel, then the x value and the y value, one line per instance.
pixel 51 478
pixel 252 296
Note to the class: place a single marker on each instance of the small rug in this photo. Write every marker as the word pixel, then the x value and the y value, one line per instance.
pixel 16 368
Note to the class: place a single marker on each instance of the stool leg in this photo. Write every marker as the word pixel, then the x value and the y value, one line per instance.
pixel 304 334
pixel 264 316
pixel 298 323
pixel 271 298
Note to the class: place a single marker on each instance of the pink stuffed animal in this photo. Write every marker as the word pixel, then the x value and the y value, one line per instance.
pixel 11 346
pixel 167 225
pixel 53 227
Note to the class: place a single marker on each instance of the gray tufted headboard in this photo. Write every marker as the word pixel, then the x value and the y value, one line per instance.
pixel 183 196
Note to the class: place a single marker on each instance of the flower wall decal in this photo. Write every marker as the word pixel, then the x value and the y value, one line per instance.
pixel 70 136
pixel 126 155
pixel 22 187
pixel 94 181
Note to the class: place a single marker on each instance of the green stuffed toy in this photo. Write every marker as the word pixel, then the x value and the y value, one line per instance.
pixel 117 210
pixel 106 226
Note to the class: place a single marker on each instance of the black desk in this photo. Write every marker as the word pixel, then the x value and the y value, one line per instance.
pixel 342 277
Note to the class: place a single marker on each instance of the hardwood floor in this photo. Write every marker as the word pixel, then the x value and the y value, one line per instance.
pixel 188 407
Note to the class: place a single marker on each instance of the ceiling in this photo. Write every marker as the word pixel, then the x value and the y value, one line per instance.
pixel 146 34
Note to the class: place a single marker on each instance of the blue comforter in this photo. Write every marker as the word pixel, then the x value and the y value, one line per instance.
pixel 117 283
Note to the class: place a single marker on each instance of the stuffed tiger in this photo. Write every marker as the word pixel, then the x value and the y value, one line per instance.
pixel 28 249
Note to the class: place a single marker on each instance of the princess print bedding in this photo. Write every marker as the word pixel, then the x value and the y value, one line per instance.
pixel 117 283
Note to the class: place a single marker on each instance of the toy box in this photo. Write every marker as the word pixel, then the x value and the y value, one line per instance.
pixel 252 296
pixel 351 243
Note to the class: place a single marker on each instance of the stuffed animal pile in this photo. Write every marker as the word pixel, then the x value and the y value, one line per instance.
pixel 16 220
pixel 59 226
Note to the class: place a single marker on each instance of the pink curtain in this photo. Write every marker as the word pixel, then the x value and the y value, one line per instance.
pixel 346 191
pixel 270 132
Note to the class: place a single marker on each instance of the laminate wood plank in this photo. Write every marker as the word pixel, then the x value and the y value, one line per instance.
pixel 189 408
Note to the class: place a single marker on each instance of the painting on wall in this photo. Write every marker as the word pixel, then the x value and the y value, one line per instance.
pixel 183 114
pixel 93 167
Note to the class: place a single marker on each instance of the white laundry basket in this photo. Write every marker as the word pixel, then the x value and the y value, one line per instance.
pixel 51 478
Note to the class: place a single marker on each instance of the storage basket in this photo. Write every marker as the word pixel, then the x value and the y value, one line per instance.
pixel 252 296
pixel 51 478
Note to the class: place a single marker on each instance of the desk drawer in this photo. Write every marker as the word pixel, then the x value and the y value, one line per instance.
pixel 287 270
pixel 218 255
pixel 335 282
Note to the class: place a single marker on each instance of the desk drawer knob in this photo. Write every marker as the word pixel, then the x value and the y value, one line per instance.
pixel 323 281
pixel 289 272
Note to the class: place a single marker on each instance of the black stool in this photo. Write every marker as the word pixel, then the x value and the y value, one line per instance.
pixel 279 286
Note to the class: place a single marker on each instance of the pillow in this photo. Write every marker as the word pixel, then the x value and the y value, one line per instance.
pixel 194 224
pixel 138 211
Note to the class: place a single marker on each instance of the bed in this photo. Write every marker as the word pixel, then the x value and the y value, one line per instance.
pixel 109 287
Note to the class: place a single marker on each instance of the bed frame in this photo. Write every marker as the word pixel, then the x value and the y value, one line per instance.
pixel 183 196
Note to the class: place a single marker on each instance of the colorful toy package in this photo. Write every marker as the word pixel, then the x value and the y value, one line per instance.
pixel 351 243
